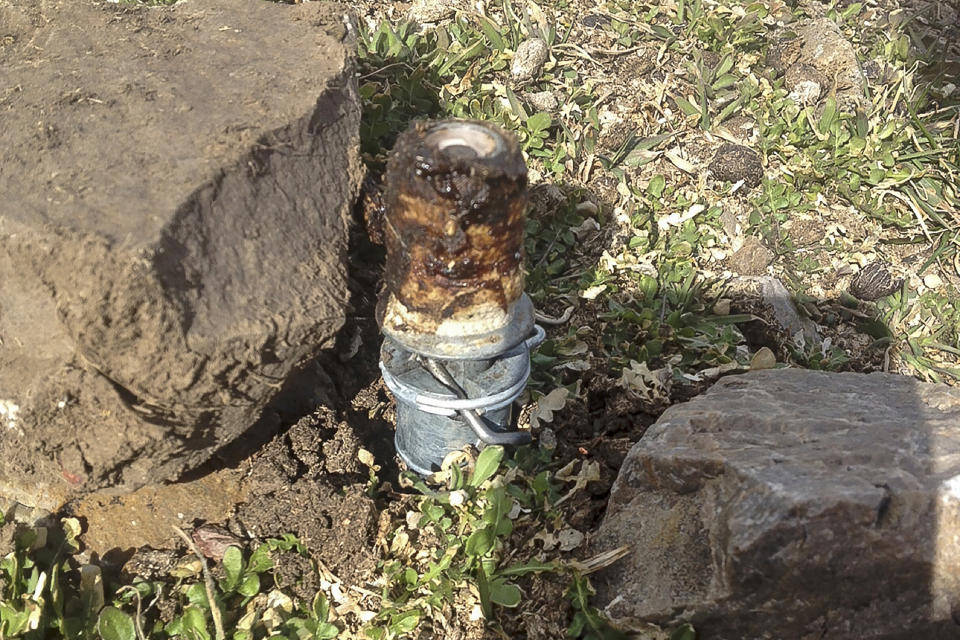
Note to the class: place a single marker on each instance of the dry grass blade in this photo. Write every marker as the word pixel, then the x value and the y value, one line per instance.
pixel 599 561
pixel 207 583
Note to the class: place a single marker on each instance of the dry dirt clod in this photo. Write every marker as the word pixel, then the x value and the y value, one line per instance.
pixel 874 282
pixel 734 162
pixel 529 59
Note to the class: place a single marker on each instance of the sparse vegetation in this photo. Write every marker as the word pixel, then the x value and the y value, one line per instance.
pixel 628 242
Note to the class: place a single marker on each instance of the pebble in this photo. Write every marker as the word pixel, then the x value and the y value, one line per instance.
pixel 932 281
pixel 543 100
pixel 430 11
pixel 763 359
pixel 529 59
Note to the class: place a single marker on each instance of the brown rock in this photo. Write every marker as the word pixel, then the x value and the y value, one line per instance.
pixel 793 504
pixel 177 184
pixel 752 259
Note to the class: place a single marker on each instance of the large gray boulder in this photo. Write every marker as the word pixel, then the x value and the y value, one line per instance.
pixel 176 189
pixel 793 504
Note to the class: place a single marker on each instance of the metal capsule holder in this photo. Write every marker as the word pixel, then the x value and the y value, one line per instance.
pixel 458 329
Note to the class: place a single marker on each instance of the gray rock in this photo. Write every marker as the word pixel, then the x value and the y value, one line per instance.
pixel 430 11
pixel 543 100
pixel 793 504
pixel 820 45
pixel 825 49
pixel 529 59
pixel 172 232
pixel 805 83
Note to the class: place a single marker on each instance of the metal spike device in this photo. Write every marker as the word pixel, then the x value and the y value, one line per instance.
pixel 457 326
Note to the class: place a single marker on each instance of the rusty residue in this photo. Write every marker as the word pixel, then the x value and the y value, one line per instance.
pixel 454 225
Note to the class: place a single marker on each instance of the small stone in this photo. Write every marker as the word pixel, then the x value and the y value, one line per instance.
pixel 805 83
pixel 763 359
pixel 872 70
pixel 594 20
pixel 529 59
pixel 543 100
pixel 932 281
pixel 722 307
pixel 734 162
pixel 430 11
pixel 873 282
pixel 752 259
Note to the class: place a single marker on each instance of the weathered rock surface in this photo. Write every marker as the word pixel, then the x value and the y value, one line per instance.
pixel 820 47
pixel 529 59
pixel 793 504
pixel 176 184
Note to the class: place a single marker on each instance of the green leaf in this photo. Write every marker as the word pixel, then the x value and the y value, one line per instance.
pixel 480 542
pixel 326 631
pixel 321 608
pixel 195 624
pixel 405 622
pixel 686 106
pixel 515 105
pixel 250 585
pixel 487 464
pixel 197 596
pixel 656 186
pixel 724 81
pixel 828 116
pixel 467 54
pixel 504 593
pixel 492 32
pixel 260 560
pixel 232 567
pixel 725 65
pixel 539 122
pixel 685 632
pixel 114 624
pixel 12 622
pixel 534 566
pixel 456 477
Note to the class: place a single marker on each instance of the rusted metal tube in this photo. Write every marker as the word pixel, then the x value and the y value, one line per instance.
pixel 458 328
pixel 453 229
